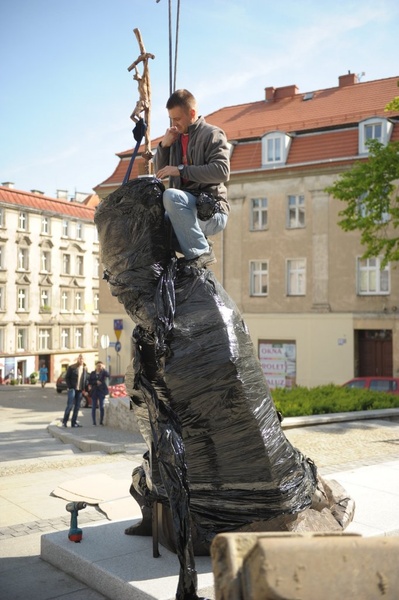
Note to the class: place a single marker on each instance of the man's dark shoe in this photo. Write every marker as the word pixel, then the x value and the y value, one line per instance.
pixel 64 424
pixel 76 425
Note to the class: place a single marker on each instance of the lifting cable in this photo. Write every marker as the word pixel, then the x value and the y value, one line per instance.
pixel 141 126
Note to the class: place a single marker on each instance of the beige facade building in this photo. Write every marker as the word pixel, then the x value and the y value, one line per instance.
pixel 49 283
pixel 316 310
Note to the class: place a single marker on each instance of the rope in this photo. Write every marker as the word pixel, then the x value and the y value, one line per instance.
pixel 138 133
pixel 177 42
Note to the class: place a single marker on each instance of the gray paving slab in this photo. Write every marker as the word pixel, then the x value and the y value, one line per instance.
pixel 121 566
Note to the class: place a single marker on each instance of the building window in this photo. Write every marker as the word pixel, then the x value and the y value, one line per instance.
pixel 22 339
pixel 364 210
pixel 96 301
pixel 45 301
pixel 96 267
pixel 23 221
pixel 44 339
pixel 2 297
pixel 22 298
pixel 65 301
pixel 2 217
pixel 79 230
pixel 23 259
pixel 275 146
pixel 2 339
pixel 259 275
pixel 65 338
pixel 296 212
pixel 65 228
pixel 95 235
pixel 79 337
pixel 45 226
pixel 258 214
pixel 296 277
pixel 2 253
pixel 374 129
pixel 45 261
pixel 79 265
pixel 78 302
pixel 66 264
pixel 372 280
pixel 95 337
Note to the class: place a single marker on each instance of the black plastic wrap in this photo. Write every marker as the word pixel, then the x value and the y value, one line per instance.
pixel 199 392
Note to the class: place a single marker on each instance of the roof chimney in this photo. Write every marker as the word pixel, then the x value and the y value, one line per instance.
pixel 37 192
pixel 349 79
pixel 287 91
pixel 269 94
pixel 8 184
pixel 62 194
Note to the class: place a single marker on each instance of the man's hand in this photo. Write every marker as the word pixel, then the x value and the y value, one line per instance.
pixel 170 136
pixel 168 171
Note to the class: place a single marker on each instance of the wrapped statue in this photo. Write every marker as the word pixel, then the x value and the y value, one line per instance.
pixel 218 459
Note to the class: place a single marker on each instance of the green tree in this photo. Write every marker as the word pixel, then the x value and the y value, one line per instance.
pixel 370 190
pixel 394 104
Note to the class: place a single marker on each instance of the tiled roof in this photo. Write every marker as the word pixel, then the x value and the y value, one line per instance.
pixel 333 114
pixel 45 203
pixel 328 108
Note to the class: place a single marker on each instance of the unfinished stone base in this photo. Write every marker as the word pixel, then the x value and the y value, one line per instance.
pixel 287 566
pixel 331 511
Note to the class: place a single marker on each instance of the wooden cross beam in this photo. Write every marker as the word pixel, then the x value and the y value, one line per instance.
pixel 143 104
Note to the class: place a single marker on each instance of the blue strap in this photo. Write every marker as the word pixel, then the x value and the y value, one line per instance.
pixel 138 133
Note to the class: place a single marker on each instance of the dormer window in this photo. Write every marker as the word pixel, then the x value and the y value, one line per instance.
pixel 376 128
pixel 275 147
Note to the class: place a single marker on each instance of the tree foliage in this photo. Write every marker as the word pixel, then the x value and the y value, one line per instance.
pixel 394 104
pixel 370 191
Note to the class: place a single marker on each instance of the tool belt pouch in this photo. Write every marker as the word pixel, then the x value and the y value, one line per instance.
pixel 207 206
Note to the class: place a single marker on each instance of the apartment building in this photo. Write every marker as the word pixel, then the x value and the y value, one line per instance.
pixel 49 282
pixel 316 310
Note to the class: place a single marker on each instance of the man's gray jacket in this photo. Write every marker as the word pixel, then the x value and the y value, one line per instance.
pixel 208 161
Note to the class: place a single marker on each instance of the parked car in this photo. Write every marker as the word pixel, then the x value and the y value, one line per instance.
pixel 375 384
pixel 60 384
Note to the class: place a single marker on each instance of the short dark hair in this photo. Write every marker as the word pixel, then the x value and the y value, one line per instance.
pixel 182 98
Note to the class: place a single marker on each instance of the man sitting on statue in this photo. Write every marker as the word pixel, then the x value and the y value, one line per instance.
pixel 196 157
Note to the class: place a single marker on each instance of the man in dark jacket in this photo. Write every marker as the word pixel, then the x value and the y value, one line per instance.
pixel 196 157
pixel 76 380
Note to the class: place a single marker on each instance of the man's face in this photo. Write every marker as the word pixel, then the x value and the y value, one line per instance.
pixel 80 359
pixel 181 118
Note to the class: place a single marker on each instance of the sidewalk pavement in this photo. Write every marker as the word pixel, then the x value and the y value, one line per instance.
pixel 362 455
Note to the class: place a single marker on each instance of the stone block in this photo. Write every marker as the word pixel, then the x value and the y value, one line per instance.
pixel 308 566
pixel 119 415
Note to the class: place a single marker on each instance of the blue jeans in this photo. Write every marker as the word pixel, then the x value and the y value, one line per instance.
pixel 73 400
pixel 100 398
pixel 191 232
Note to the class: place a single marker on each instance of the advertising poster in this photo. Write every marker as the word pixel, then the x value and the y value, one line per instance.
pixel 278 360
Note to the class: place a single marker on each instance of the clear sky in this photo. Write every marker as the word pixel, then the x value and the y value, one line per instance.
pixel 66 94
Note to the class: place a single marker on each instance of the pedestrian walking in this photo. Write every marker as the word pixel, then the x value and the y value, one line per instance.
pixel 43 374
pixel 76 380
